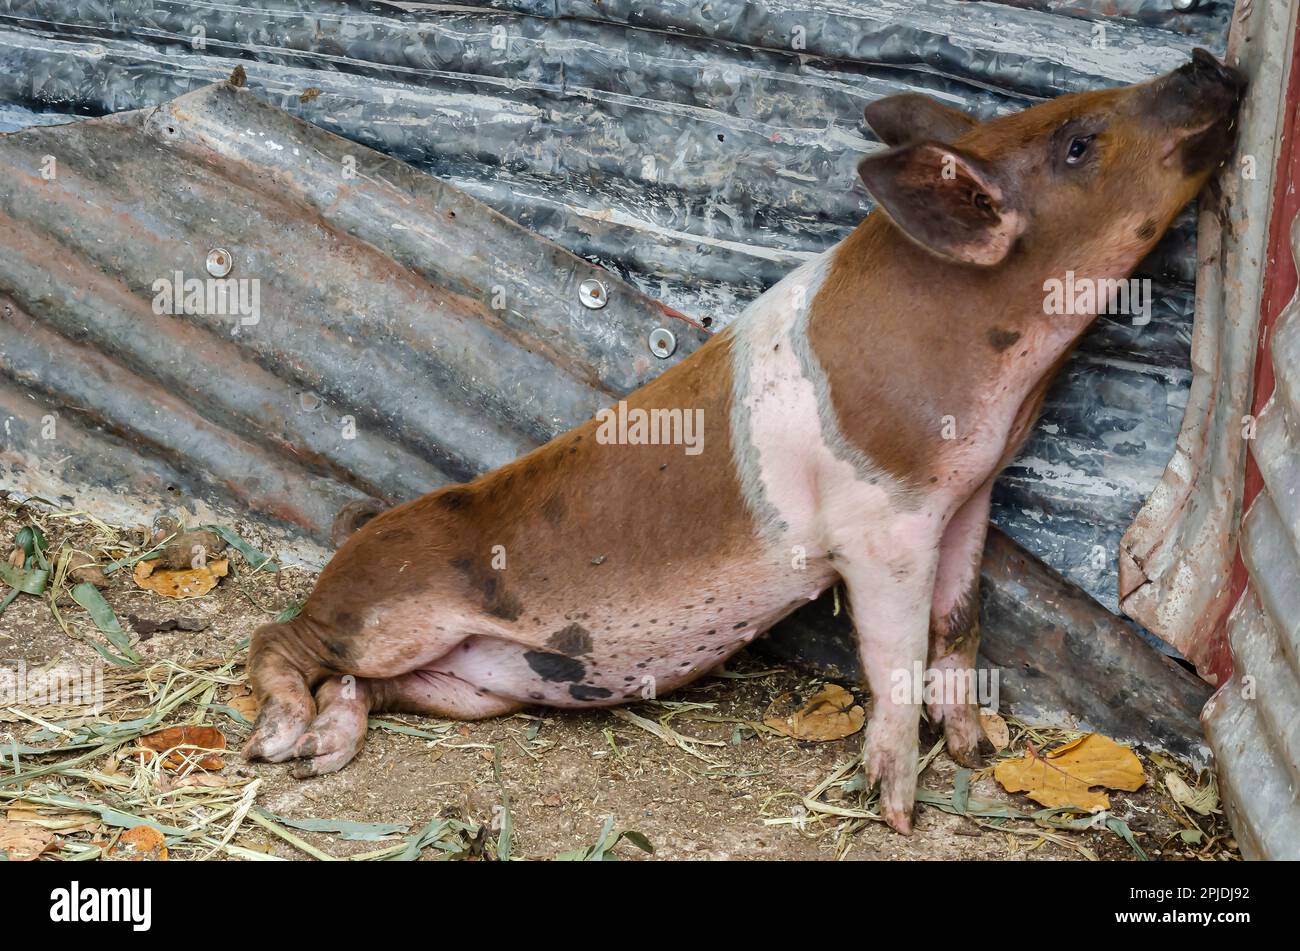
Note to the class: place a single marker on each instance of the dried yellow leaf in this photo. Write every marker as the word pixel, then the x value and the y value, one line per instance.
pixel 241 700
pixel 1066 776
pixel 22 842
pixel 829 714
pixel 996 729
pixel 181 582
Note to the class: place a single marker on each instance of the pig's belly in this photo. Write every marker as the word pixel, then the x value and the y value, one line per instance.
pixel 640 650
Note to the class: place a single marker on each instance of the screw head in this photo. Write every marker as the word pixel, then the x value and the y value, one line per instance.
pixel 219 262
pixel 662 343
pixel 593 294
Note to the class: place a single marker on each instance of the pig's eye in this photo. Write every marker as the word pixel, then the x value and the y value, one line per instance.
pixel 1079 146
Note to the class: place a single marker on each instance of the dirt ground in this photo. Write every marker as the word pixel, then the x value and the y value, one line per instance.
pixel 695 773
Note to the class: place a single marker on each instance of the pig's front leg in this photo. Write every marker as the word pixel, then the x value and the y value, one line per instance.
pixel 955 630
pixel 890 590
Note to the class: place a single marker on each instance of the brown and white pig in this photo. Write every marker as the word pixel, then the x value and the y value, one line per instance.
pixel 854 418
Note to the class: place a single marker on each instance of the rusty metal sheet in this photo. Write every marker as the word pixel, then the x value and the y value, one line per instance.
pixel 699 150
pixel 1224 589
pixel 1254 720
pixel 1177 557
pixel 405 335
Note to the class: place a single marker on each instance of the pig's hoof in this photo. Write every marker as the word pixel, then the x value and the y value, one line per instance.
pixel 335 737
pixel 895 773
pixel 278 728
pixel 964 736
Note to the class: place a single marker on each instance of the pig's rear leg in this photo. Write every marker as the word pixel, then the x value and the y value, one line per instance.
pixel 281 670
pixel 338 732
pixel 440 690
pixel 344 705
pixel 287 660
pixel 955 630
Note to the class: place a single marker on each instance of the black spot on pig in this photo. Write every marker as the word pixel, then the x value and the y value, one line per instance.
pixel 497 601
pixel 454 499
pixel 555 667
pixel 345 622
pixel 1000 339
pixel 337 649
pixel 585 692
pixel 572 640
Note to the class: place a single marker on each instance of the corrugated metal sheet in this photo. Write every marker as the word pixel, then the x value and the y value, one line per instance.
pixel 1189 557
pixel 1254 721
pixel 407 335
pixel 1177 557
pixel 698 149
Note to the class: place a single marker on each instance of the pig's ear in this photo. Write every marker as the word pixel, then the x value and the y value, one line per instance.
pixel 949 202
pixel 912 117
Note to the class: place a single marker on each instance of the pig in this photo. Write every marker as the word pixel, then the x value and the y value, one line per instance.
pixel 853 420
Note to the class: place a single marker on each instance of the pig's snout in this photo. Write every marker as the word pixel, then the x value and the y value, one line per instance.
pixel 1196 105
pixel 1206 73
pixel 1205 68
pixel 1197 92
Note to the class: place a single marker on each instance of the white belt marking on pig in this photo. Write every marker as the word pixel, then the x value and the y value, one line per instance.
pixel 805 484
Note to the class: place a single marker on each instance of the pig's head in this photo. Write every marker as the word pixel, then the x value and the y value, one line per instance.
pixel 1088 181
